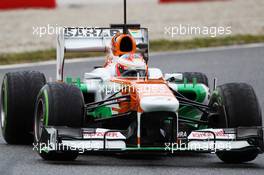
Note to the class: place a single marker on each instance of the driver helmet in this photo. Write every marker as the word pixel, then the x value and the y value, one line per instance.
pixel 132 64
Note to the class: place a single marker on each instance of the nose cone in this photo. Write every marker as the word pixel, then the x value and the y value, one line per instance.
pixel 159 103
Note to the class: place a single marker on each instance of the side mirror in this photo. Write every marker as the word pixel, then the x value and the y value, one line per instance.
pixel 173 77
pixel 154 73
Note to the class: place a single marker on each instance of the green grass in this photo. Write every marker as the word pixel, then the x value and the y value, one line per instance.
pixel 156 45
pixel 37 56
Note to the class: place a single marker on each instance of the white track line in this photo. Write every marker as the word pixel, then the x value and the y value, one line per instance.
pixel 91 59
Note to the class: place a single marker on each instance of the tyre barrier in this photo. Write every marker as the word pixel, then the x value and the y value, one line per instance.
pixel 16 4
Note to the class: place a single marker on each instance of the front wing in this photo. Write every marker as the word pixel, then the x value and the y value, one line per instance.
pixel 105 140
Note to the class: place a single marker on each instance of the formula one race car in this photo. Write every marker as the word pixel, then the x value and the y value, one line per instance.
pixel 126 106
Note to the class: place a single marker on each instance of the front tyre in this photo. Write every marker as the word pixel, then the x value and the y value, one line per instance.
pixel 242 109
pixel 200 77
pixel 18 95
pixel 58 104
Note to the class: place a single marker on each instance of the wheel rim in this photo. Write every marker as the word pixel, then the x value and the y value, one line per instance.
pixel 39 119
pixel 3 106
